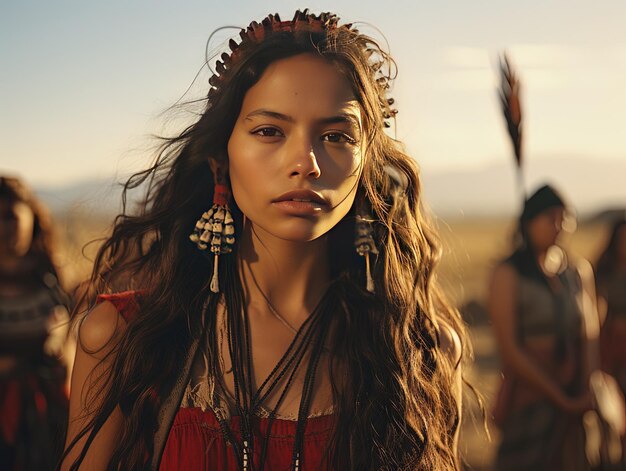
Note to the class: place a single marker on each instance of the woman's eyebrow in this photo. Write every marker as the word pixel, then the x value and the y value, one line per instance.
pixel 270 114
pixel 348 118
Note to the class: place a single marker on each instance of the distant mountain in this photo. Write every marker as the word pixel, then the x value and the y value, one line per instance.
pixel 98 196
pixel 592 186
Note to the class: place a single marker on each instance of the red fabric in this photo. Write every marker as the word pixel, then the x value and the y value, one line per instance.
pixel 10 407
pixel 196 443
pixel 126 302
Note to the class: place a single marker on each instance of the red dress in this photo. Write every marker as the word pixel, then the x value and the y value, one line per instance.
pixel 196 443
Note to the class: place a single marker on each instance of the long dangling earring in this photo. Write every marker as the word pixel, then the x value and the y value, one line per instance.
pixel 364 243
pixel 216 228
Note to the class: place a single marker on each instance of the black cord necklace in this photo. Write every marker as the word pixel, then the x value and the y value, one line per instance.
pixel 309 337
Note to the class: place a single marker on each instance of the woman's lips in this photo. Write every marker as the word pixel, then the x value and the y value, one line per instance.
pixel 299 208
pixel 300 203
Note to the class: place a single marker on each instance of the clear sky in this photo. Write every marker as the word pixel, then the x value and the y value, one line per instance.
pixel 83 83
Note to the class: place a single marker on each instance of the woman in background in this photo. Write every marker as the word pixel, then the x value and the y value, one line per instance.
pixel 33 326
pixel 539 330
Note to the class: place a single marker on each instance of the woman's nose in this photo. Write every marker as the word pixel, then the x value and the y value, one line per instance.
pixel 303 160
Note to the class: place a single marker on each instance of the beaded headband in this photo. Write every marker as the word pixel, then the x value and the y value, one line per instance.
pixel 303 21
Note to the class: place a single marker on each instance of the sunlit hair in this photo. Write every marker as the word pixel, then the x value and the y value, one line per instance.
pixel 396 404
pixel 41 250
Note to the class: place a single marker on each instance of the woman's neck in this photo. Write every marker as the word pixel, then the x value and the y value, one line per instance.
pixel 292 276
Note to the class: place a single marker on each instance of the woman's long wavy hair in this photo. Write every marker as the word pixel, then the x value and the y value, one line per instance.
pixel 396 405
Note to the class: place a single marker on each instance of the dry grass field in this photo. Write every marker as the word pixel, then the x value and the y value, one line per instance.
pixel 471 247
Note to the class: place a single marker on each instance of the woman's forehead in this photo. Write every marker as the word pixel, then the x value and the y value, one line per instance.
pixel 302 86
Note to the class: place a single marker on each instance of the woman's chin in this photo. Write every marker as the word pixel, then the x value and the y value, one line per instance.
pixel 298 231
pixel 302 236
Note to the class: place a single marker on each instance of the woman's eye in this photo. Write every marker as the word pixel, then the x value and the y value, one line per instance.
pixel 337 137
pixel 267 132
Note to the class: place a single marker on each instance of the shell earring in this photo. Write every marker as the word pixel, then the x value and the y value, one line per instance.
pixel 215 229
pixel 364 244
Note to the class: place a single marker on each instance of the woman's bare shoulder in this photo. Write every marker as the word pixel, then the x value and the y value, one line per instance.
pixel 101 328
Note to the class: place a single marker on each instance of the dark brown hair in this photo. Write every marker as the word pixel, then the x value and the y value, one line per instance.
pixel 397 408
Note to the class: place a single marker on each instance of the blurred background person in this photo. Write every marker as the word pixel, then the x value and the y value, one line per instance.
pixel 33 328
pixel 532 303
pixel 611 287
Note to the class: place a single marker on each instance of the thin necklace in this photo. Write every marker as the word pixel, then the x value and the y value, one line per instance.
pixel 271 307
pixel 274 311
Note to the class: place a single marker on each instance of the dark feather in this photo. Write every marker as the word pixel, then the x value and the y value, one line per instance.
pixel 509 93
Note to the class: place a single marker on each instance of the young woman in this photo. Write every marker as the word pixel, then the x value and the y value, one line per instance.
pixel 312 335
pixel 33 324
pixel 534 306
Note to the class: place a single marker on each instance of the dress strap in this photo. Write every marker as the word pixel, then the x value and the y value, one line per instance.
pixel 126 302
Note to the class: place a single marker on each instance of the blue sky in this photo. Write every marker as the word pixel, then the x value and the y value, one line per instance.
pixel 83 84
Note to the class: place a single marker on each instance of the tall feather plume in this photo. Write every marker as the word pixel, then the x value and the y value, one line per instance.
pixel 509 93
